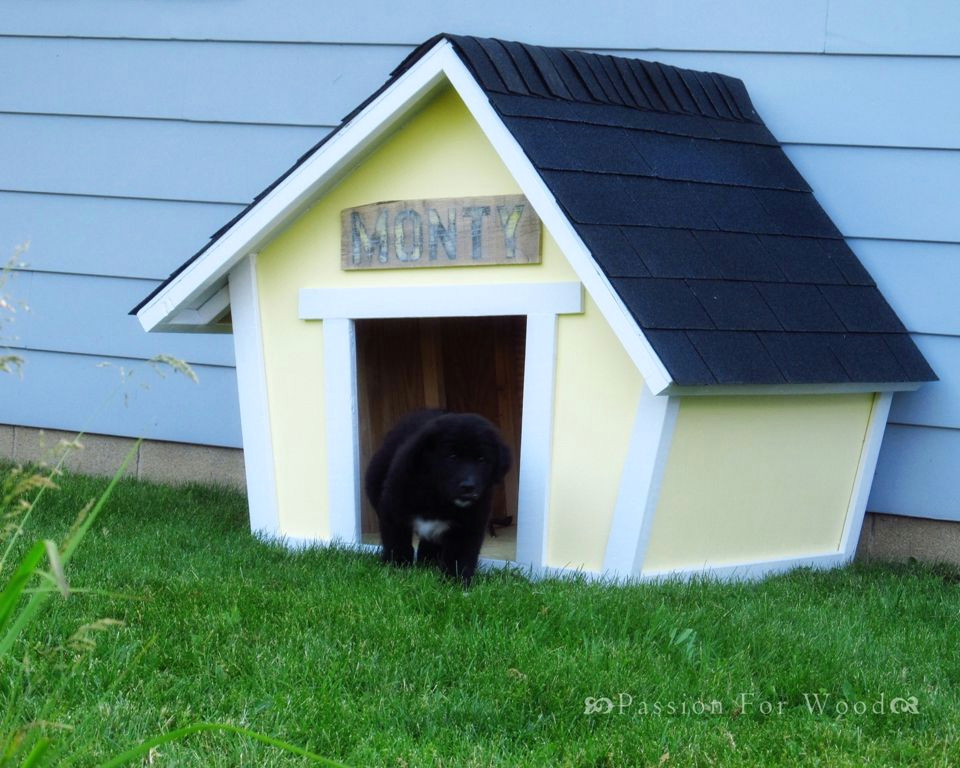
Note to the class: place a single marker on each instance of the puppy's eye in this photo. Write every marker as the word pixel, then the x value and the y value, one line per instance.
pixel 482 459
pixel 452 456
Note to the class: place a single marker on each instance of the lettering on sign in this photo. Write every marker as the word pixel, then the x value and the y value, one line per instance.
pixel 455 232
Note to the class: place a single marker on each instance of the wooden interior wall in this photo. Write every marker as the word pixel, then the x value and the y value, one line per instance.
pixel 470 364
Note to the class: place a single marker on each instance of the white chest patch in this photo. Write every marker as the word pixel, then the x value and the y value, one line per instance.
pixel 430 529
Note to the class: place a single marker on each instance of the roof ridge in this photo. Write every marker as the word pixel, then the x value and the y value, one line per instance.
pixel 609 79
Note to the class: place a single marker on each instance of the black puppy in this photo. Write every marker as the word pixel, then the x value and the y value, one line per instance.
pixel 435 474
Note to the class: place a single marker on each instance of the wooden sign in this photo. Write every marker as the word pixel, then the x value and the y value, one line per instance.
pixel 455 232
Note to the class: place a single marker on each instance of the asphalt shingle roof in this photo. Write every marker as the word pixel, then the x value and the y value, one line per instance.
pixel 706 230
pixel 708 233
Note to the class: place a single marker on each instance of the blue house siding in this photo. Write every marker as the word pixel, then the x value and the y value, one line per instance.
pixel 129 134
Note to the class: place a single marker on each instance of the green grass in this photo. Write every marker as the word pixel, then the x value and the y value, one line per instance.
pixel 375 666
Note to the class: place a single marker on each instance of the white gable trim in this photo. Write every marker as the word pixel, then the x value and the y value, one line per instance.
pixel 307 181
pixel 297 190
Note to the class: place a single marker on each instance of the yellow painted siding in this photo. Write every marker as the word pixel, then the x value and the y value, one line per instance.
pixel 757 478
pixel 598 388
pixel 440 152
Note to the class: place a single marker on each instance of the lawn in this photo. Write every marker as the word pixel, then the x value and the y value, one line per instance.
pixel 374 666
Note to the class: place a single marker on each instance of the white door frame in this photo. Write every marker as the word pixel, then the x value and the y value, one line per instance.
pixel 539 303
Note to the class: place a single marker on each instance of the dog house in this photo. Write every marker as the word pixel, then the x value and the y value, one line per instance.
pixel 612 259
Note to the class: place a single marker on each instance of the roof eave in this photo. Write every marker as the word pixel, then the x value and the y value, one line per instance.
pixel 293 194
pixel 826 388
pixel 300 187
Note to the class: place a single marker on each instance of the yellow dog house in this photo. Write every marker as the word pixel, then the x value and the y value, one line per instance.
pixel 614 260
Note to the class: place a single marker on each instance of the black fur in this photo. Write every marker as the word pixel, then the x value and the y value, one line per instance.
pixel 439 468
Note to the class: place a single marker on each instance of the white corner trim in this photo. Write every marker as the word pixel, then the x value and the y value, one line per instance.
pixel 640 483
pixel 258 459
pixel 441 301
pixel 536 436
pixel 293 193
pixel 556 221
pixel 341 417
pixel 869 454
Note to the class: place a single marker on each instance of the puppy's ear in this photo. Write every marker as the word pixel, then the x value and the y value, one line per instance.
pixel 504 460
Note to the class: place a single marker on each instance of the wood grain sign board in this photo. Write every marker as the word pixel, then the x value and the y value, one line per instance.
pixel 453 232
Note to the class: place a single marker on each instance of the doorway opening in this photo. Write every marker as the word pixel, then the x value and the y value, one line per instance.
pixel 470 364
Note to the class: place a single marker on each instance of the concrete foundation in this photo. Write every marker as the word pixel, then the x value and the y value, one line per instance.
pixel 895 538
pixel 162 462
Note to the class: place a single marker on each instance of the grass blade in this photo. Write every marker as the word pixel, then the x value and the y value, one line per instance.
pixel 18 581
pixel 181 733
pixel 37 599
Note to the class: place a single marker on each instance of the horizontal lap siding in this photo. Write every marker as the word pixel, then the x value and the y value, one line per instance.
pixel 148 130
pixel 121 396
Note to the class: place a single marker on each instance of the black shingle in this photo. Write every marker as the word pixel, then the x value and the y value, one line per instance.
pixel 866 357
pixel 737 209
pixel 505 66
pixel 548 71
pixel 667 203
pixel 578 91
pixel 736 357
pixel 602 148
pixel 478 59
pixel 734 306
pixel 739 256
pixel 646 84
pixel 710 88
pixel 844 260
pixel 661 86
pixel 802 260
pixel 616 79
pixel 680 358
pixel 741 99
pixel 796 213
pixel 671 253
pixel 680 90
pixel 581 65
pixel 612 251
pixel 862 308
pixel 665 304
pixel 909 357
pixel 638 96
pixel 800 307
pixel 527 69
pixel 593 198
pixel 804 358
pixel 557 145
pixel 695 89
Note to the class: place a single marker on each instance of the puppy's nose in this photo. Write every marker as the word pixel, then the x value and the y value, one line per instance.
pixel 467 486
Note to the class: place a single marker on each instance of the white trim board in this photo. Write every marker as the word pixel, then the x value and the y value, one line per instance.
pixel 838 388
pixel 536 436
pixel 869 454
pixel 258 459
pixel 441 301
pixel 341 416
pixel 640 483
